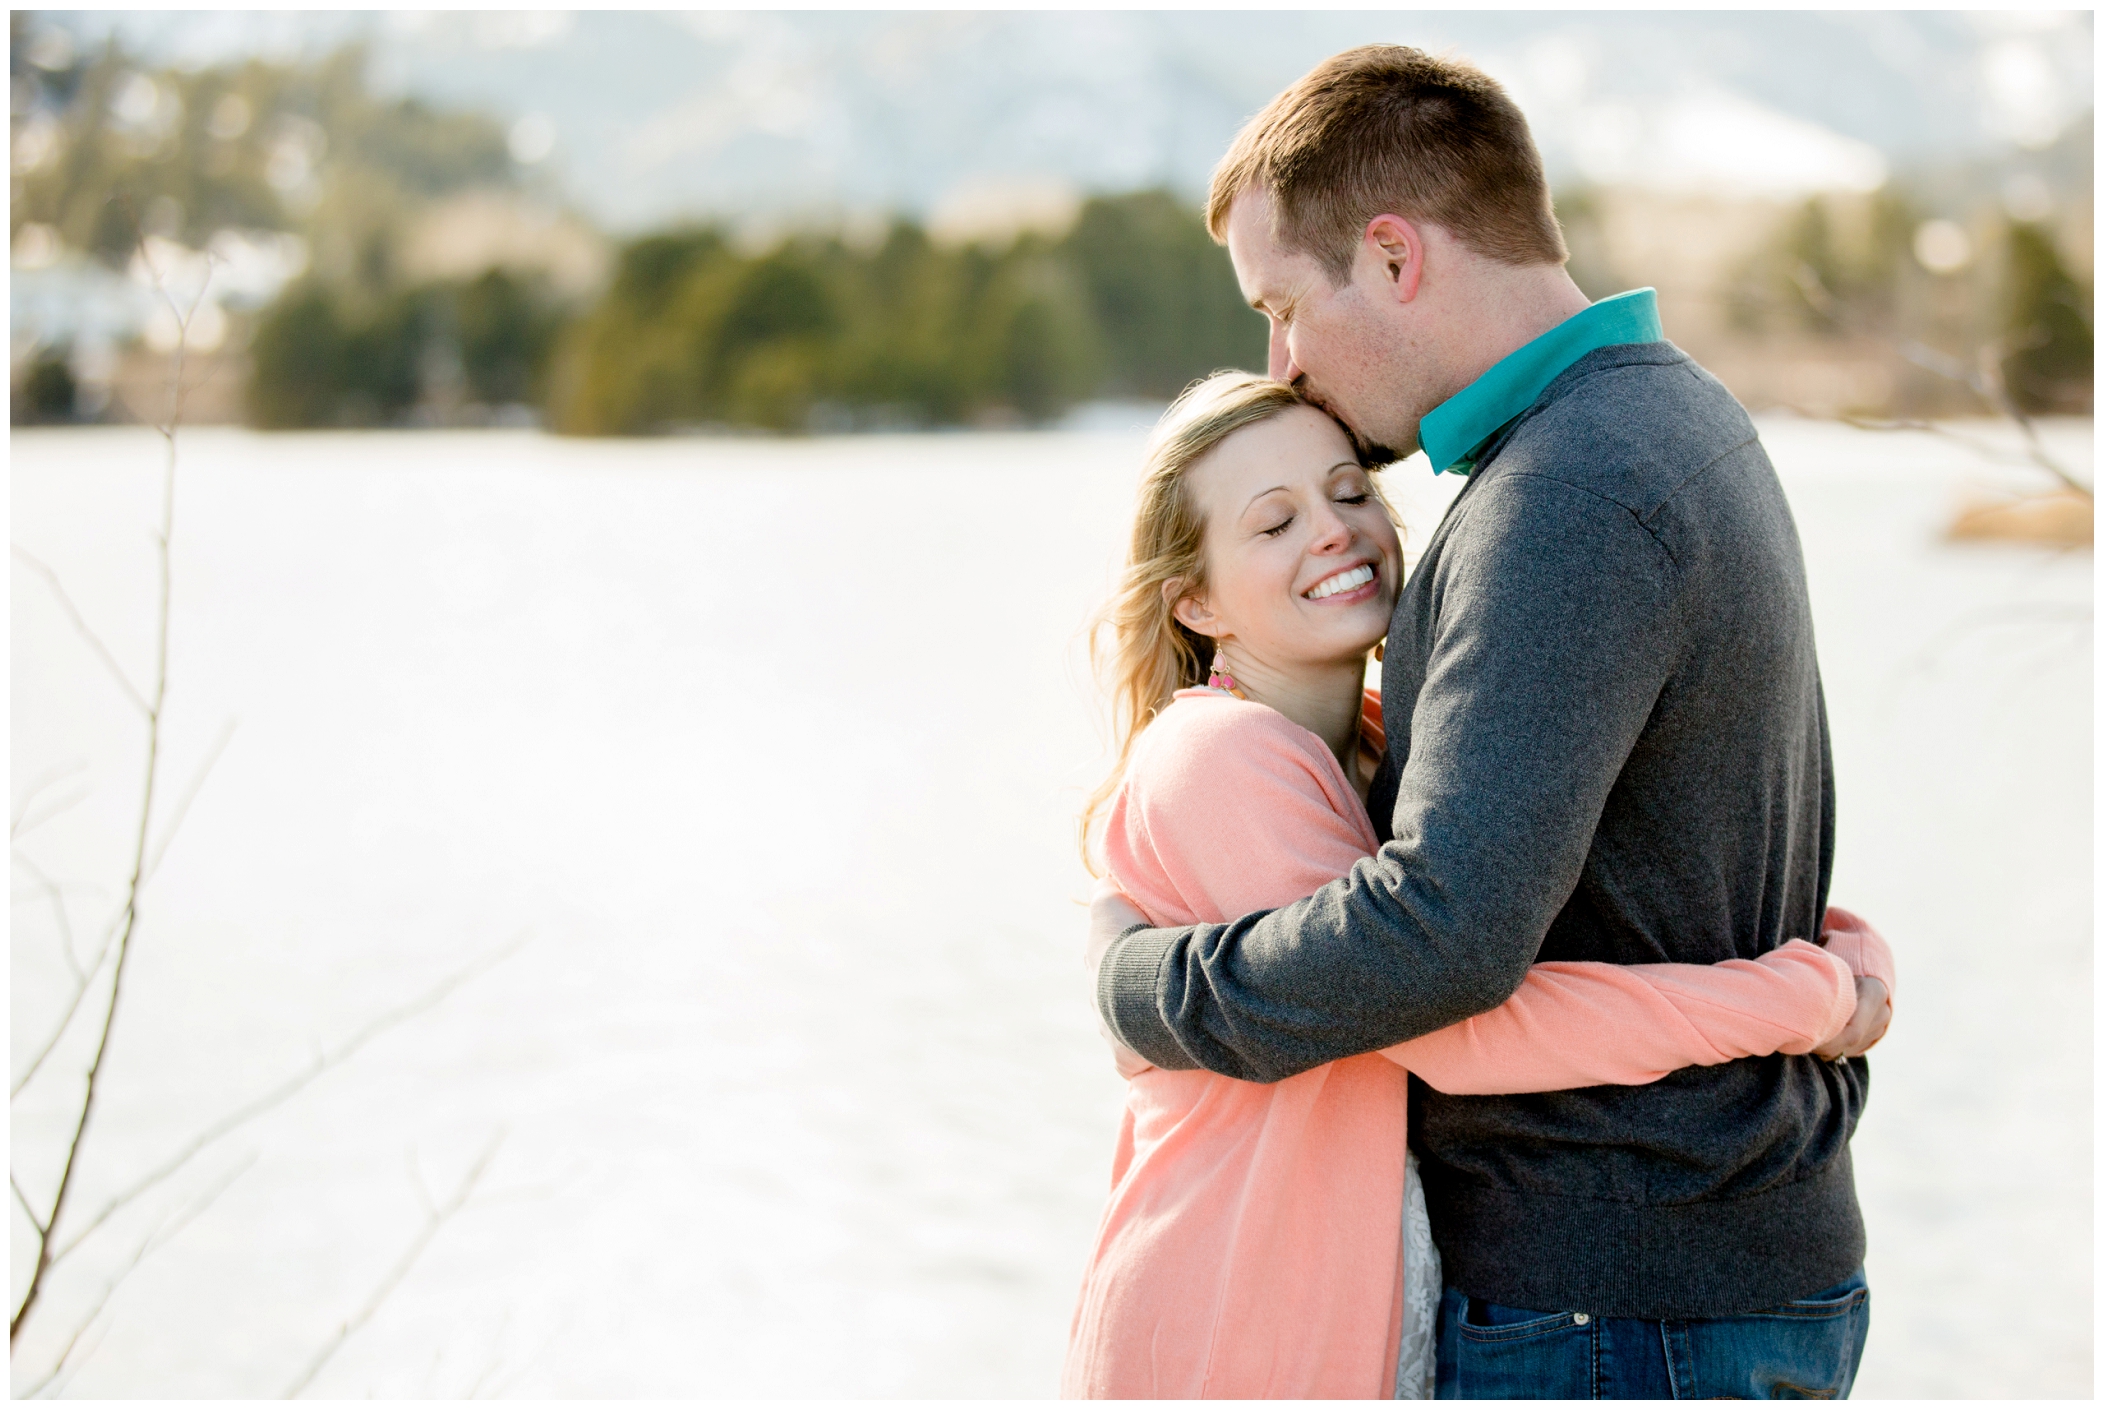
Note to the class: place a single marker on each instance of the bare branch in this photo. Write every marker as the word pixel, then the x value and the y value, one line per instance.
pixel 158 1239
pixel 189 796
pixel 1984 377
pixel 241 1116
pixel 80 625
pixel 138 866
pixel 432 1223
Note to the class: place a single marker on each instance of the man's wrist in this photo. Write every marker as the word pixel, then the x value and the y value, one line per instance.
pixel 1127 985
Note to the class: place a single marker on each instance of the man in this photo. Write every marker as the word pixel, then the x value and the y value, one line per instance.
pixel 1606 741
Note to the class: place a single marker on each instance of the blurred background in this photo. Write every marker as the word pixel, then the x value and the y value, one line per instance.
pixel 619 927
pixel 627 223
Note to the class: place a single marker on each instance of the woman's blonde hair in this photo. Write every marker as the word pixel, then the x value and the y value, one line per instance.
pixel 1150 655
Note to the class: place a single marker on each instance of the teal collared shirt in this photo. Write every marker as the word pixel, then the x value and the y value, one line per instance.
pixel 1456 429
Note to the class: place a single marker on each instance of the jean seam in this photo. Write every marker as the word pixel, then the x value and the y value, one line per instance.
pixel 1813 1312
pixel 1592 1342
pixel 1517 1331
pixel 1680 1358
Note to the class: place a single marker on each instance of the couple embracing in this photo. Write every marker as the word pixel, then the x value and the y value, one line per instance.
pixel 1489 1035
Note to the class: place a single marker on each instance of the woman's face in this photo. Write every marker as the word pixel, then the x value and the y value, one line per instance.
pixel 1302 562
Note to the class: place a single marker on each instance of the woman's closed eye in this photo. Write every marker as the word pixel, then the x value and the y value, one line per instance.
pixel 1279 528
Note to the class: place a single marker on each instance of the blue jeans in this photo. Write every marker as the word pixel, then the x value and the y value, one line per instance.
pixel 1803 1350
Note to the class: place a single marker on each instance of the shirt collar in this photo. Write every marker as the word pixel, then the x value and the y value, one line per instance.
pixel 1456 429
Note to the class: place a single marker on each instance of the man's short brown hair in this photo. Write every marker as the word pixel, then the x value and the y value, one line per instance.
pixel 1385 130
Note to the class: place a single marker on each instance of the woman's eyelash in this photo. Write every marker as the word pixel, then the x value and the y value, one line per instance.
pixel 1276 529
pixel 1354 498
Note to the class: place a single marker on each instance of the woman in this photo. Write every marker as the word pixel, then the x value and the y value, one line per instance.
pixel 1270 1240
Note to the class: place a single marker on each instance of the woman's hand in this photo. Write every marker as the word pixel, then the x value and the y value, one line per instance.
pixel 1110 915
pixel 1873 1014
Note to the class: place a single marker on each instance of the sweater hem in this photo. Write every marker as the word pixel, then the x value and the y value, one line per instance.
pixel 1716 1258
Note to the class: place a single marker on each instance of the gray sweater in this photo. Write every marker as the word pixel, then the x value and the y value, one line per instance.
pixel 1606 741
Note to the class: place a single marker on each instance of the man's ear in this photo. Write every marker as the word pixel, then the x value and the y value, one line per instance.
pixel 1395 248
pixel 1190 610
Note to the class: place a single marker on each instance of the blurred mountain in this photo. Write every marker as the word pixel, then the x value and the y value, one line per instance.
pixel 840 220
pixel 777 118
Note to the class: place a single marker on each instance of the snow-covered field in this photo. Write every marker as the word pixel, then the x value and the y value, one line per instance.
pixel 767 752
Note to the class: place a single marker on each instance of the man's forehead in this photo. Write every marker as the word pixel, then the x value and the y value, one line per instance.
pixel 1261 264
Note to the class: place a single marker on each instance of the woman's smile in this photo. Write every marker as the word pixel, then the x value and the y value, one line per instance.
pixel 1353 584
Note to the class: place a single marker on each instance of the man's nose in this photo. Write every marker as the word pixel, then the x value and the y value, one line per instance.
pixel 1282 368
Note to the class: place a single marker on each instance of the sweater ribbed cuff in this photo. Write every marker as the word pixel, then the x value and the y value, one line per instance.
pixel 1127 995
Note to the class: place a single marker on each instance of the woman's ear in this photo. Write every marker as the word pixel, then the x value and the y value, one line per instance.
pixel 1190 609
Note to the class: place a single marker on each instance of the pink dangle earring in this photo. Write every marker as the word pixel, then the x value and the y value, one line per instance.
pixel 1221 680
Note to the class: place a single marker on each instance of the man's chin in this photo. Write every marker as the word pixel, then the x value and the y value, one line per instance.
pixel 1374 457
pixel 1372 454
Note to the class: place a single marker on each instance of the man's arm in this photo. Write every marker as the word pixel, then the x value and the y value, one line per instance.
pixel 1553 633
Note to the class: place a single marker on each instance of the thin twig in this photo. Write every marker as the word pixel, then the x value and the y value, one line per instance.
pixel 58 910
pixel 159 1238
pixel 416 1178
pixel 35 1391
pixel 80 624
pixel 432 1223
pixel 189 796
pixel 1986 450
pixel 49 777
pixel 241 1116
pixel 66 1019
pixel 1926 656
pixel 29 824
pixel 23 1200
pixel 496 1357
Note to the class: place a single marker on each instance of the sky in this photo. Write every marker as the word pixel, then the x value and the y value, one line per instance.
pixel 646 118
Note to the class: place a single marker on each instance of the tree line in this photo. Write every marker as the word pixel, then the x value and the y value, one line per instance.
pixel 816 333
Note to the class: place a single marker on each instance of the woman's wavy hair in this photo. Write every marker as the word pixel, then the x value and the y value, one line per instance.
pixel 1149 655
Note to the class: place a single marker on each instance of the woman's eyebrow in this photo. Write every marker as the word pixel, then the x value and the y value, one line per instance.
pixel 1260 494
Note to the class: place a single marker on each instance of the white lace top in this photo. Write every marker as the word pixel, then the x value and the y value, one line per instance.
pixel 1422 1286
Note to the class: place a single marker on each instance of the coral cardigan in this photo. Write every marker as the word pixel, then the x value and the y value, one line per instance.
pixel 1252 1243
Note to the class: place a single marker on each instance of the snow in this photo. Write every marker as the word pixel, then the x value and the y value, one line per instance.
pixel 768 751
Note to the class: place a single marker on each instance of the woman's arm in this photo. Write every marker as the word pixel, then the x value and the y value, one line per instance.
pixel 1588 1025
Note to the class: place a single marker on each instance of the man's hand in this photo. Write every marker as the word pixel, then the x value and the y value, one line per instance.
pixel 1110 915
pixel 1873 1014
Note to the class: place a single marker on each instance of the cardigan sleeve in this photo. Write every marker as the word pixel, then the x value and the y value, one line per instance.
pixel 1852 940
pixel 1586 1025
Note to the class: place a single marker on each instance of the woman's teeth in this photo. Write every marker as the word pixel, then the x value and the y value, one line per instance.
pixel 1342 582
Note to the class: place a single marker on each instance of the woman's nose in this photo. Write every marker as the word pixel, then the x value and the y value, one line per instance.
pixel 1332 534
